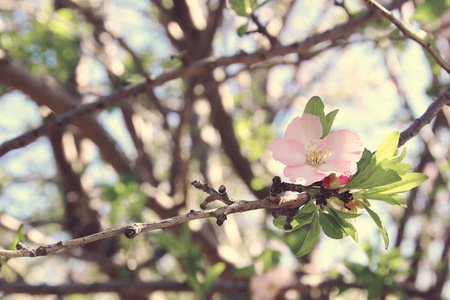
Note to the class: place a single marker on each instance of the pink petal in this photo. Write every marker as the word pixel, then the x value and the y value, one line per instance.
pixel 288 152
pixel 304 175
pixel 339 167
pixel 303 129
pixel 344 145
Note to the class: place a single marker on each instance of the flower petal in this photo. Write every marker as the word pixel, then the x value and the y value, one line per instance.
pixel 304 129
pixel 344 145
pixel 304 175
pixel 288 152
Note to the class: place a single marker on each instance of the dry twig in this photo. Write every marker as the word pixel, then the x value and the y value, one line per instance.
pixel 133 230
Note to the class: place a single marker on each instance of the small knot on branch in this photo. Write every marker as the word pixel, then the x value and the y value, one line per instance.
pixel 132 231
pixel 289 213
pixel 220 219
pixel 220 195
pixel 276 189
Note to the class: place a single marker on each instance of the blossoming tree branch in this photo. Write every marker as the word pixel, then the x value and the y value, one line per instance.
pixel 331 172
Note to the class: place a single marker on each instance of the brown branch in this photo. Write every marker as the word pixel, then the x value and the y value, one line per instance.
pixel 426 118
pixel 406 32
pixel 53 95
pixel 133 230
pixel 198 67
pixel 130 288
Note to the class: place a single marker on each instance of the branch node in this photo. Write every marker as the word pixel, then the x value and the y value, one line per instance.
pixel 132 231
pixel 220 219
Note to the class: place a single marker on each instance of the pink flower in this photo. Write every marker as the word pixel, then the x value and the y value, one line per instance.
pixel 332 182
pixel 308 158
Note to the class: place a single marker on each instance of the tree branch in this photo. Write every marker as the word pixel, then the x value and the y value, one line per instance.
pixel 130 288
pixel 195 68
pixel 390 16
pixel 133 230
pixel 426 118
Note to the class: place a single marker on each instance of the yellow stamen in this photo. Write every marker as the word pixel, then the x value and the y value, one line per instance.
pixel 316 157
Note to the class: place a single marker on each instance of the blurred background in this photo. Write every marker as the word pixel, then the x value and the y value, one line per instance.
pixel 134 161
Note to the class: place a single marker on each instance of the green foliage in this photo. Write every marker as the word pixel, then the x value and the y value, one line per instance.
pixel 430 10
pixel 382 272
pixel 303 217
pixel 245 8
pixel 190 257
pixel 380 176
pixel 311 238
pixel 126 199
pixel 49 45
pixel 19 236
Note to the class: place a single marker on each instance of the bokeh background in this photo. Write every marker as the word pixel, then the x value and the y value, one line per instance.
pixel 133 161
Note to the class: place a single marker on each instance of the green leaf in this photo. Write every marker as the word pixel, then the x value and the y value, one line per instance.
pixel 342 214
pixel 239 7
pixel 330 226
pixel 242 30
pixel 388 146
pixel 19 236
pixel 212 274
pixel 402 156
pixel 243 272
pixel 388 198
pixel 373 176
pixel 328 122
pixel 408 181
pixel 430 10
pixel 393 164
pixel 345 225
pixel 377 221
pixel 311 238
pixel 315 107
pixel 270 259
pixel 303 217
pixel 363 163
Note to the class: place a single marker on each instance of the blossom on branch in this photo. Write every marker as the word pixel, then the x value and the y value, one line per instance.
pixel 333 182
pixel 308 158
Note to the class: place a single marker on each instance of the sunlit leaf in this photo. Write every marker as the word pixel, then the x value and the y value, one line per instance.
pixel 373 176
pixel 388 147
pixel 19 236
pixel 331 226
pixel 311 238
pixel 343 214
pixel 408 182
pixel 393 164
pixel 328 122
pixel 391 199
pixel 379 224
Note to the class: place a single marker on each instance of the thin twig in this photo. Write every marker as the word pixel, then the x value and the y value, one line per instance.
pixel 390 16
pixel 133 230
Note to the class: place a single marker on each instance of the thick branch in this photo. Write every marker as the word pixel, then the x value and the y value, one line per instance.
pixel 118 286
pixel 426 118
pixel 196 68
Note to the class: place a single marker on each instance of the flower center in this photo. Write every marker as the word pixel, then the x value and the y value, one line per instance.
pixel 314 156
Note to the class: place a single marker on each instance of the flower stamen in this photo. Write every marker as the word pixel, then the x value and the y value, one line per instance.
pixel 314 156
